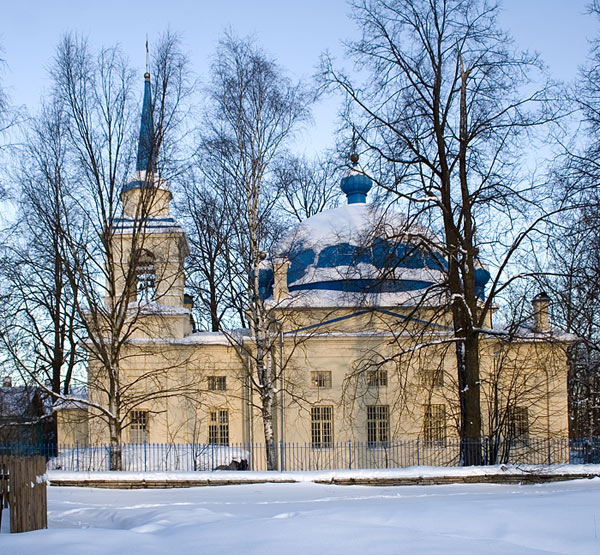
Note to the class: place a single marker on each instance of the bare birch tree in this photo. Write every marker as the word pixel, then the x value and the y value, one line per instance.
pixel 254 111
pixel 308 186
pixel 571 259
pixel 212 267
pixel 9 117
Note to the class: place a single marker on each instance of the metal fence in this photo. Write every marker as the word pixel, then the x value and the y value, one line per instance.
pixel 148 457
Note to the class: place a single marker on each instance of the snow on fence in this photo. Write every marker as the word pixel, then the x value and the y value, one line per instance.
pixel 306 456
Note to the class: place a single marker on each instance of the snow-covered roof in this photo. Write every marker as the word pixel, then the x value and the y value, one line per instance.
pixel 76 393
pixel 346 299
pixel 197 338
pixel 166 224
pixel 19 400
pixel 148 308
pixel 526 332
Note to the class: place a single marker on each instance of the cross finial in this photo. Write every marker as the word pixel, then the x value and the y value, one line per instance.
pixel 147 75
pixel 354 154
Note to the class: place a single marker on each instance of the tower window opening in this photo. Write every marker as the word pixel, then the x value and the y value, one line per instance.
pixel 146 278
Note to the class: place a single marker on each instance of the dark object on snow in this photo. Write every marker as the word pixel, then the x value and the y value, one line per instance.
pixel 234 465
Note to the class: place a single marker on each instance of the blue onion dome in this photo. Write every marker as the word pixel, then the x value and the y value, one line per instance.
pixel 356 186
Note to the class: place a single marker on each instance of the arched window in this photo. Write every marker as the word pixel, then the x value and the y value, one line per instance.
pixel 146 277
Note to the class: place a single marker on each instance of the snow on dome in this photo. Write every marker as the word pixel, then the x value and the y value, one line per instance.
pixel 354 224
pixel 359 248
pixel 357 251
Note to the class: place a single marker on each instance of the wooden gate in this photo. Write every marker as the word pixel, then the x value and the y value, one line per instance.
pixel 23 489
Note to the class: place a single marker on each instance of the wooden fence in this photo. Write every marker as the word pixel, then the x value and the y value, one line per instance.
pixel 23 489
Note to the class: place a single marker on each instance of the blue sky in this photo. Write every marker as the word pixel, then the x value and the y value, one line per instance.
pixel 295 32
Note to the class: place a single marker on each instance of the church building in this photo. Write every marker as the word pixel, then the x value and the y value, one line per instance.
pixel 363 337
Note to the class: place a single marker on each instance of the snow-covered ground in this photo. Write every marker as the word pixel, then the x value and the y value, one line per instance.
pixel 409 472
pixel 561 517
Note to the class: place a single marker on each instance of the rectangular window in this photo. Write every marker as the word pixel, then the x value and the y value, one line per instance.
pixel 218 427
pixel 378 424
pixel 321 379
pixel 377 378
pixel 138 426
pixel 322 427
pixel 217 383
pixel 434 425
pixel 432 377
pixel 518 424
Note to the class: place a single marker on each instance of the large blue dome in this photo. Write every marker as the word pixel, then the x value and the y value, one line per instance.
pixel 358 248
pixel 361 249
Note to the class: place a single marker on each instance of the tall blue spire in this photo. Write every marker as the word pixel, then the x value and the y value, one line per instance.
pixel 145 143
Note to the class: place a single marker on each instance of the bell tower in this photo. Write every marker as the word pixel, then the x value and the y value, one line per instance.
pixel 150 243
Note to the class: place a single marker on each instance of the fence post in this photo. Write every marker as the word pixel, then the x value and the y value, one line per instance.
pixel 77 455
pixel 212 457
pixel 418 455
pixel 145 458
pixel 549 452
pixel 349 454
pixel 485 450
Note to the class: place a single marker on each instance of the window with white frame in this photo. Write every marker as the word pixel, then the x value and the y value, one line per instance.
pixel 218 427
pixel 378 424
pixel 321 379
pixel 322 426
pixel 434 425
pixel 138 427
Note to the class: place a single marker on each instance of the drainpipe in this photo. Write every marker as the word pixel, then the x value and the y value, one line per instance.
pixel 282 385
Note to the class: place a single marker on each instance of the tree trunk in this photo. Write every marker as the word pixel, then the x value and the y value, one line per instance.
pixel 267 417
pixel 468 349
pixel 467 358
pixel 114 430
pixel 116 458
pixel 267 410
